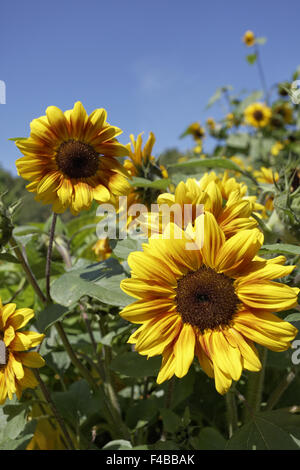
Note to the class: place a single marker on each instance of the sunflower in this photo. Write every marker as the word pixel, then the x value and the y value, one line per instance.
pixel 249 38
pixel 102 249
pixel 282 113
pixel 266 175
pixel 211 123
pixel 257 115
pixel 15 359
pixel 196 131
pixel 141 163
pixel 225 198
pixel 69 159
pixel 47 436
pixel 207 297
pixel 276 148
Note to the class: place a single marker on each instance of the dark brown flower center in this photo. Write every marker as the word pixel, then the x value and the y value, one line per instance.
pixel 258 115
pixel 77 159
pixel 206 299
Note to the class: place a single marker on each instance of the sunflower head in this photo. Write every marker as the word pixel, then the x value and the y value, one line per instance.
pixel 141 163
pixel 195 130
pixel 282 113
pixel 224 197
pixel 257 115
pixel 266 175
pixel 276 148
pixel 249 38
pixel 15 357
pixel 197 295
pixel 102 249
pixel 283 89
pixel 70 161
pixel 211 124
pixel 6 222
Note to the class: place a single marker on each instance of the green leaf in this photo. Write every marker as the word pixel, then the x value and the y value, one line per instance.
pixel 15 431
pixel 99 280
pixel 213 163
pixel 80 223
pixel 271 430
pixel 59 361
pixel 134 365
pixel 293 317
pixel 8 257
pixel 170 420
pixel 78 402
pixel 123 248
pixel 209 439
pixel 144 183
pixel 183 388
pixel 217 95
pixel 239 141
pixel 50 315
pixel 164 445
pixel 142 412
pixel 119 444
pixel 281 248
pixel 251 58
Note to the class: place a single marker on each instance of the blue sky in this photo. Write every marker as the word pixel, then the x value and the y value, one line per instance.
pixel 152 64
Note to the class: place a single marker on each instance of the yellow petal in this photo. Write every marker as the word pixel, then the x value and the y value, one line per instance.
pixel 20 317
pixel 239 250
pixel 31 359
pixel 265 329
pixel 210 237
pixel 6 312
pixel 9 335
pixel 78 121
pixel 223 381
pixel 17 368
pixel 65 192
pixel 141 311
pixel 167 369
pixel 158 334
pixel 184 350
pixel 268 295
pixel 57 122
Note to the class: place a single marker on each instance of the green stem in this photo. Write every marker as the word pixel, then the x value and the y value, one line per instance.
pixel 54 410
pixel 232 414
pixel 169 394
pixel 29 274
pixel 49 254
pixel 261 74
pixel 109 388
pixel 280 389
pixel 255 385
pixel 75 361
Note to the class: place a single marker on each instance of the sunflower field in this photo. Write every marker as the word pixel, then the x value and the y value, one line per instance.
pixel 157 308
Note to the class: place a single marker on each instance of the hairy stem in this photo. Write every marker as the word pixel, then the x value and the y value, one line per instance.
pixel 29 274
pixel 280 389
pixel 232 414
pixel 255 385
pixel 49 254
pixel 54 410
pixel 261 74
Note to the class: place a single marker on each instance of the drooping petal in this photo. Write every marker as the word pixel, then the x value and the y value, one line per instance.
pixel 184 349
